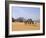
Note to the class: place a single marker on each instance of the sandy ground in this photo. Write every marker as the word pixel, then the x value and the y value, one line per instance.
pixel 17 26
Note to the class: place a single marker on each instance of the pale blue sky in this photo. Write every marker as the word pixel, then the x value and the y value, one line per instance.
pixel 26 12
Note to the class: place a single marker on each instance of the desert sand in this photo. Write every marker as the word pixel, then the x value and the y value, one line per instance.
pixel 20 26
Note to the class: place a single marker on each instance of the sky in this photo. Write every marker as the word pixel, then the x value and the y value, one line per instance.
pixel 26 12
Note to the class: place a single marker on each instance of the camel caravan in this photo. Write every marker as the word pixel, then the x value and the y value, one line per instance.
pixel 28 21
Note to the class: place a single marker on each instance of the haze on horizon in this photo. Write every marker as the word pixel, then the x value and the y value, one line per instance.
pixel 26 12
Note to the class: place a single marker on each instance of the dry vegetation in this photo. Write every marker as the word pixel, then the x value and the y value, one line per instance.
pixel 20 26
